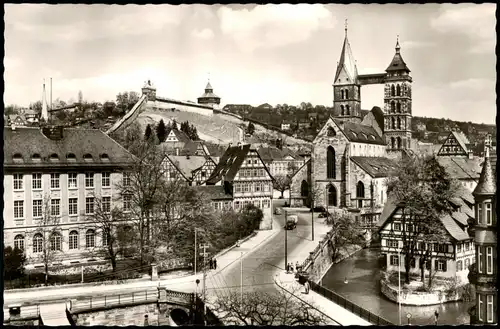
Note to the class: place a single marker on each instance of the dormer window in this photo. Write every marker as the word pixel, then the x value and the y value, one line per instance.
pixel 36 157
pixel 372 137
pixel 87 157
pixel 54 157
pixel 104 157
pixel 354 134
pixel 376 168
pixel 71 157
pixel 17 157
pixel 365 136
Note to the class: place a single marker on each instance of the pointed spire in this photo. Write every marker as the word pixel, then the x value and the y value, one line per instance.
pixel 398 47
pixel 45 113
pixel 345 28
pixel 397 63
pixel 347 61
pixel 487 183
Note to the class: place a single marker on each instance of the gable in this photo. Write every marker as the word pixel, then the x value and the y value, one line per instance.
pixel 339 137
pixel 453 145
pixel 343 77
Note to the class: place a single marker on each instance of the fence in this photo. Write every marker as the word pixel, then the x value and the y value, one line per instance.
pixel 91 303
pixel 348 305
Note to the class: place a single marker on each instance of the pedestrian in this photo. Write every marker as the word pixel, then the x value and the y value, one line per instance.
pixel 436 317
pixel 215 264
pixel 291 267
pixel 211 262
pixel 306 285
pixel 297 266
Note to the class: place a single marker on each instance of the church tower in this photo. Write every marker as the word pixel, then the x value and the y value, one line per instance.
pixel 346 87
pixel 397 104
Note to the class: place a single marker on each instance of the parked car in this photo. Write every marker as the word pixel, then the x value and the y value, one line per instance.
pixel 291 222
pixel 278 211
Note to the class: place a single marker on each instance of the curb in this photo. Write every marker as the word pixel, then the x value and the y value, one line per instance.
pixel 245 239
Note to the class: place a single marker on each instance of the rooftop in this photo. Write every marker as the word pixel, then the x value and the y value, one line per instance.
pixel 359 133
pixel 215 192
pixel 376 166
pixel 229 164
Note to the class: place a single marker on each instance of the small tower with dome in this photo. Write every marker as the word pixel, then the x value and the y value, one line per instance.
pixel 149 90
pixel 208 97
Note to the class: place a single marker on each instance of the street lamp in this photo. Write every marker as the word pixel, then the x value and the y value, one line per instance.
pixel 399 284
pixel 408 316
pixel 286 240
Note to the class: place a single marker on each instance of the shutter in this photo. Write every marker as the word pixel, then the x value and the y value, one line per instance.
pixel 445 267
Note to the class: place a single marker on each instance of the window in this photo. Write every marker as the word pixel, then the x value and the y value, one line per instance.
pixel 56 242
pixel 332 196
pixel 72 180
pixel 19 242
pixel 394 260
pixel 73 206
pixel 106 204
pixel 466 263
pixel 105 179
pixel 89 179
pixel 488 213
pixel 37 208
pixel 36 181
pixel 479 259
pixel 467 246
pixel 459 265
pixel 480 307
pixel 127 202
pixel 73 240
pixel 392 243
pixel 71 157
pixel 489 308
pixel 18 209
pixel 489 260
pixel 459 247
pixel 236 205
pixel 360 193
pixel 54 181
pixel 266 203
pixel 90 239
pixel 89 206
pixel 126 179
pixel 55 207
pixel 397 226
pixel 256 203
pixel 479 213
pixel 105 238
pixel 393 91
pixel 398 90
pixel 441 265
pixel 18 182
pixel 37 243
pixel 330 155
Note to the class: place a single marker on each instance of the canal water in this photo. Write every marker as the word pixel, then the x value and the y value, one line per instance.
pixel 363 289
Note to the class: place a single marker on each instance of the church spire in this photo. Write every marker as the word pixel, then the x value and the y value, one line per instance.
pixel 398 48
pixel 487 182
pixel 397 63
pixel 347 61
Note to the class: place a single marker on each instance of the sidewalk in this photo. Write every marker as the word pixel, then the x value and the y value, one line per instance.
pixel 185 283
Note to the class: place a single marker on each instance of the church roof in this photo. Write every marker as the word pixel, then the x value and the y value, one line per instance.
pixel 379 116
pixel 359 133
pixel 375 166
pixel 461 167
pixel 397 63
pixel 487 183
pixel 209 86
pixel 347 61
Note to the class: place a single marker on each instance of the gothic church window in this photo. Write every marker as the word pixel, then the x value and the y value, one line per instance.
pixel 393 143
pixel 398 105
pixel 347 110
pixel 393 123
pixel 399 123
pixel 332 196
pixel 393 107
pixel 399 142
pixel 360 193
pixel 342 94
pixel 393 91
pixel 347 94
pixel 398 90
pixel 330 162
pixel 342 109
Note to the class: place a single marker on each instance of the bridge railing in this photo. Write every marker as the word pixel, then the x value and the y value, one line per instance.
pixel 348 305
pixel 88 304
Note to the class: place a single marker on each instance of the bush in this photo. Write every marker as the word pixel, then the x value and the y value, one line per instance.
pixel 14 260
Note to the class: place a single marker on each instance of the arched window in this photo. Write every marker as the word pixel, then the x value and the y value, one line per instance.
pixel 19 242
pixel 332 196
pixel 330 162
pixel 347 94
pixel 73 240
pixel 393 91
pixel 90 239
pixel 393 143
pixel 347 110
pixel 341 109
pixel 393 107
pixel 342 94
pixel 399 123
pixel 54 157
pixel 398 106
pixel 398 90
pixel 55 242
pixel 399 142
pixel 37 243
pixel 360 193
pixel 393 123
pixel 331 132
pixel 304 189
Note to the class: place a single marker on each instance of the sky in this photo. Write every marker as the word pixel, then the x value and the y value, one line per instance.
pixel 252 54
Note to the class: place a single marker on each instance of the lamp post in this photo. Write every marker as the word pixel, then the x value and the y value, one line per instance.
pixel 286 240
pixel 399 284
pixel 312 218
pixel 408 316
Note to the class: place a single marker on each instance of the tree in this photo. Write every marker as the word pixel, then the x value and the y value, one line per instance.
pixel 282 183
pixel 161 131
pixel 265 308
pixel 13 260
pixel 12 109
pixel 174 124
pixel 36 106
pixel 279 143
pixel 344 233
pixel 108 108
pixel 251 216
pixel 47 240
pixel 148 132
pixel 423 189
pixel 250 128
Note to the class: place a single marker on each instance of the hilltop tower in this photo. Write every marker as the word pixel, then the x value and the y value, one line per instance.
pixel 346 87
pixel 149 90
pixel 397 103
pixel 209 98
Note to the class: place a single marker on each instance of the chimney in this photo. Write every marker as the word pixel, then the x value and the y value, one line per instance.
pixel 470 154
pixel 53 132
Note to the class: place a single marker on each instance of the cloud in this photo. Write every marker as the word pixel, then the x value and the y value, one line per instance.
pixel 476 21
pixel 273 25
pixel 205 34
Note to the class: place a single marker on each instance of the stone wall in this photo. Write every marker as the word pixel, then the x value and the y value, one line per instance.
pixel 419 298
pixel 123 316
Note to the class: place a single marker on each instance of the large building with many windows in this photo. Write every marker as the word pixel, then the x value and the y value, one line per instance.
pixel 52 177
pixel 485 194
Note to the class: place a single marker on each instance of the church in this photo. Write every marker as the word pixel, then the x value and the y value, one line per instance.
pixel 352 155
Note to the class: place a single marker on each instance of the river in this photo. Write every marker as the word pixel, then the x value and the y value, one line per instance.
pixel 363 289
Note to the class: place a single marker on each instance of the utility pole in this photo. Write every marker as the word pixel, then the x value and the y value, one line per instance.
pixel 312 216
pixel 204 254
pixel 286 239
pixel 241 278
pixel 195 252
pixel 51 94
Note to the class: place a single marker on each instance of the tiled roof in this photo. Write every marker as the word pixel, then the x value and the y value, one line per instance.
pixel 452 227
pixel 397 63
pixel 187 164
pixel 215 192
pixel 461 139
pixel 181 136
pixel 347 61
pixel 229 164
pixel 268 154
pixel 464 194
pixel 359 133
pixel 379 116
pixel 460 217
pixel 390 206
pixel 28 141
pixel 375 166
pixel 215 150
pixel 487 182
pixel 461 167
